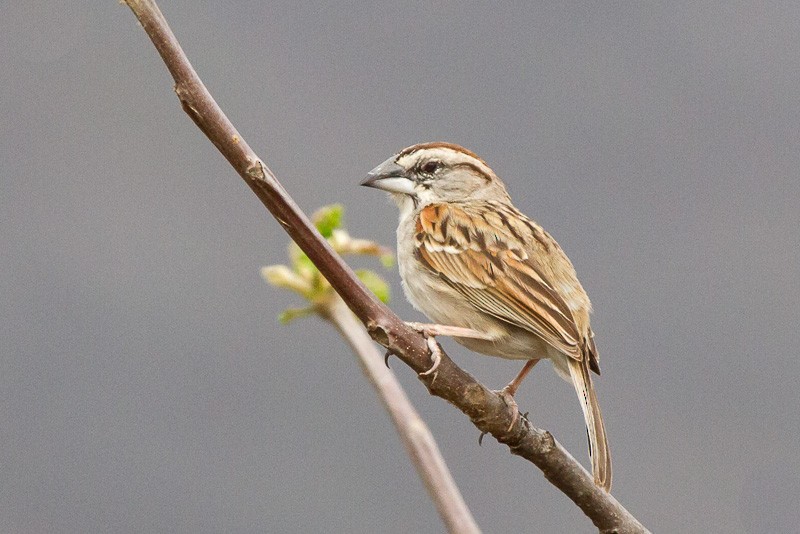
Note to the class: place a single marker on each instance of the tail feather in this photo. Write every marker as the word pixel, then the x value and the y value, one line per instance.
pixel 598 444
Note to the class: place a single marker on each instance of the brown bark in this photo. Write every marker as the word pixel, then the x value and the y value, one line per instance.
pixel 416 436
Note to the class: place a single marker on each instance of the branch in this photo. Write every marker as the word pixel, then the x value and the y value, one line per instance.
pixel 415 434
pixel 303 278
pixel 485 408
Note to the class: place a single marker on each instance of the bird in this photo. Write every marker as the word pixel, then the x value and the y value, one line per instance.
pixel 490 277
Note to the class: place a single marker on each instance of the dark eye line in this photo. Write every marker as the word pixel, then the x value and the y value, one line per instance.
pixel 475 169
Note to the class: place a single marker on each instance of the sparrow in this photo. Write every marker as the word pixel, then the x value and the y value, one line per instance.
pixel 489 276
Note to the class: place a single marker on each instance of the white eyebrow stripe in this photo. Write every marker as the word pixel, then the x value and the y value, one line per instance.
pixel 448 156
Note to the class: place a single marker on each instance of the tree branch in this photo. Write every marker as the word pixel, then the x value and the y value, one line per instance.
pixel 485 408
pixel 415 434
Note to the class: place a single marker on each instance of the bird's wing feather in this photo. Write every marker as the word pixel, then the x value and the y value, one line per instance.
pixel 483 254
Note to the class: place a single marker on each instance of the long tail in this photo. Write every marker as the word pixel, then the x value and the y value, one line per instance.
pixel 598 444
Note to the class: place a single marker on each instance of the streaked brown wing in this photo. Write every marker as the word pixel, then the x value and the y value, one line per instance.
pixel 483 256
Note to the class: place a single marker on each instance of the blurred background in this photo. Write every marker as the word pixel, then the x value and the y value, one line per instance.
pixel 145 382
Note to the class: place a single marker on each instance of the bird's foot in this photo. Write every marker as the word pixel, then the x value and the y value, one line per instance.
pixel 507 394
pixel 430 331
pixel 436 357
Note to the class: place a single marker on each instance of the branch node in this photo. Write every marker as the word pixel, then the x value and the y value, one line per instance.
pixel 380 334
pixel 475 395
pixel 548 442
pixel 184 95
pixel 256 169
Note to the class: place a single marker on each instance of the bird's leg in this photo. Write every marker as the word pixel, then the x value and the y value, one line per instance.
pixel 508 392
pixel 445 330
pixel 430 331
pixel 511 388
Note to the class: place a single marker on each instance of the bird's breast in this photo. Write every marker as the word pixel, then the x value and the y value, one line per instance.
pixel 444 305
pixel 425 290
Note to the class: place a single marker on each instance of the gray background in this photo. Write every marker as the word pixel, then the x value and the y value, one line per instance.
pixel 145 384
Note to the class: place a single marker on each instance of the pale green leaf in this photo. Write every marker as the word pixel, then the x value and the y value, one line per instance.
pixel 328 218
pixel 375 283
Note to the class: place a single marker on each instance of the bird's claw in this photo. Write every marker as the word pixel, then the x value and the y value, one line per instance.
pixel 524 417
pixel 508 398
pixel 433 347
pixel 436 357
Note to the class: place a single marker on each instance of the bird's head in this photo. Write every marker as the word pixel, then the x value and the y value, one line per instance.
pixel 436 172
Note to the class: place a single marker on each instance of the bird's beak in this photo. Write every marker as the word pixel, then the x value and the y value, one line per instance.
pixel 391 177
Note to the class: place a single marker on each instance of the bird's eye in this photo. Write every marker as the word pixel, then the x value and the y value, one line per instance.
pixel 431 167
